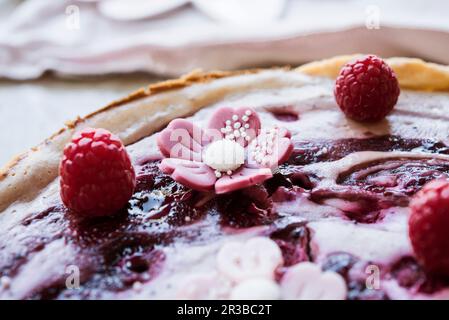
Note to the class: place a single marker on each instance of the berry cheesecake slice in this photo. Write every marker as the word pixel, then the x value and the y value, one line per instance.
pixel 264 184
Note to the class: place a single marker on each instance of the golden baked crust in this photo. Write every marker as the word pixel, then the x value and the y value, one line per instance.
pixel 148 109
pixel 412 73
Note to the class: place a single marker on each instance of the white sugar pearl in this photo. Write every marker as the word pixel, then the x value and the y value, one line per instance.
pixel 236 133
pixel 237 125
pixel 223 130
pixel 224 155
pixel 245 118
pixel 246 125
pixel 228 129
pixel 247 138
pixel 229 172
pixel 242 129
pixel 243 134
pixel 228 122
pixel 248 112
pixel 218 174
pixel 235 117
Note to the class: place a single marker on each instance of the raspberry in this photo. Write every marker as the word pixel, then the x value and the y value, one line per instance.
pixel 366 90
pixel 97 177
pixel 429 227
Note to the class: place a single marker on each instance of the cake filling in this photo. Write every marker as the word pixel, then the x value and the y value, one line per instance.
pixel 117 252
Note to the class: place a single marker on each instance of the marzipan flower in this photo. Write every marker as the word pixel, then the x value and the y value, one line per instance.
pixel 232 153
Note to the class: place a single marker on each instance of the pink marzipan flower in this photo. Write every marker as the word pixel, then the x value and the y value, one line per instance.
pixel 232 153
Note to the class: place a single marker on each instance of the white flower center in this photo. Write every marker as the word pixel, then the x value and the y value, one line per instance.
pixel 224 155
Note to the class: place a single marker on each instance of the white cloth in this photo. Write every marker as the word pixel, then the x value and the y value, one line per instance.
pixel 45 35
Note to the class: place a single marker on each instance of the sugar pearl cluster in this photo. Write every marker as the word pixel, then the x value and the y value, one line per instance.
pixel 236 127
pixel 262 149
pixel 218 173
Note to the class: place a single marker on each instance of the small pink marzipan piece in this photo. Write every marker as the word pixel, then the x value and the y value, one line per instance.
pixel 207 286
pixel 306 281
pixel 256 258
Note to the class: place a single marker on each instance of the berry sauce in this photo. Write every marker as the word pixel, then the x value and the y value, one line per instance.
pixel 284 113
pixel 114 253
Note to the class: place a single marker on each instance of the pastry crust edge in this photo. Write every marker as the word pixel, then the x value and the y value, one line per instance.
pixel 412 73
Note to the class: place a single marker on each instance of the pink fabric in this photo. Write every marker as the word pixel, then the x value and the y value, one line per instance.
pixel 43 35
pixel 183 143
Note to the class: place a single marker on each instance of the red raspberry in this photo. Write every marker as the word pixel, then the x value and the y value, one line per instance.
pixel 367 89
pixel 97 177
pixel 429 226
